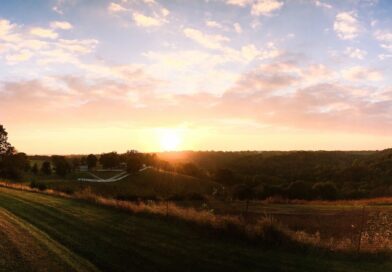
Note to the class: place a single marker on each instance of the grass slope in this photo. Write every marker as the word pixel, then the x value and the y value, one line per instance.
pixel 147 183
pixel 83 236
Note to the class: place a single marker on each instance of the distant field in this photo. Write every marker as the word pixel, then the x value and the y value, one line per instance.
pixel 149 183
pixel 67 235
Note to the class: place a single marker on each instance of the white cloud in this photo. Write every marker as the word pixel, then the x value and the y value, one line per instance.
pixel 384 56
pixel 20 56
pixel 355 53
pixel 258 7
pixel 357 73
pixel 78 46
pixel 322 4
pixel 346 25
pixel 385 39
pixel 208 41
pixel 237 28
pixel 43 32
pixel 61 25
pixel 144 13
pixel 250 52
pixel 114 7
pixel 41 45
pixel 146 21
pixel 165 12
pixel 5 27
pixel 213 24
pixel 7 32
pixel 241 3
pixel 265 7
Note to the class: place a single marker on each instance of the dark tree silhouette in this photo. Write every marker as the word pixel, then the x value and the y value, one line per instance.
pixel 34 169
pixel 61 165
pixel 6 148
pixel 46 168
pixel 110 160
pixel 11 163
pixel 91 161
pixel 134 161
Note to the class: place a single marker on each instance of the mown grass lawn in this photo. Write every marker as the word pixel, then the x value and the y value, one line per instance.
pixel 81 236
pixel 150 183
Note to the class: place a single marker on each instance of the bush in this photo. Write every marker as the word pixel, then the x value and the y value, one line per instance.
pixel 325 190
pixel 38 185
pixel 299 190
pixel 135 198
pixel 196 197
pixel 176 197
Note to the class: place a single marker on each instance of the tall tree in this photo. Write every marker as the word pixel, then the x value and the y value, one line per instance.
pixel 109 160
pixel 11 163
pixel 5 147
pixel 91 161
pixel 46 168
pixel 134 161
pixel 61 165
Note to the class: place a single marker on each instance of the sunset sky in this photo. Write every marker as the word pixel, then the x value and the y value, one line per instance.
pixel 82 76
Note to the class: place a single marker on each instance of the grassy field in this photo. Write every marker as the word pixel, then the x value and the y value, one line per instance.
pixel 150 184
pixel 336 225
pixel 46 233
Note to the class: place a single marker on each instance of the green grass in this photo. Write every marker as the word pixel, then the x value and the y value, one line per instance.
pixel 149 183
pixel 78 236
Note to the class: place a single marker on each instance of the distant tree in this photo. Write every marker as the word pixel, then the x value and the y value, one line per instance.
pixel 46 168
pixel 75 163
pixel 226 177
pixel 91 161
pixel 61 165
pixel 246 191
pixel 110 160
pixel 151 160
pixel 164 165
pixel 11 163
pixel 325 190
pixel 6 148
pixel 190 169
pixel 83 160
pixel 34 169
pixel 299 190
pixel 134 161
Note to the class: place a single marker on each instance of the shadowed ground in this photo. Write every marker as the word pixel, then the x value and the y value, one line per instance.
pixel 45 233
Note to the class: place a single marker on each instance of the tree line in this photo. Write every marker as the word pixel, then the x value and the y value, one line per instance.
pixel 246 174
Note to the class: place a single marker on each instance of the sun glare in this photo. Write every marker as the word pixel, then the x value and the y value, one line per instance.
pixel 170 140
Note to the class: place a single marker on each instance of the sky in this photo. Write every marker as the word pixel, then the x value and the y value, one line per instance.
pixel 91 76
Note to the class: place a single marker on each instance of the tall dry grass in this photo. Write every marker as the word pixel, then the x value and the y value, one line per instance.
pixel 344 202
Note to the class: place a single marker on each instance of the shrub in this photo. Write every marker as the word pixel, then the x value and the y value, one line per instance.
pixel 325 190
pixel 299 190
pixel 38 185
pixel 196 197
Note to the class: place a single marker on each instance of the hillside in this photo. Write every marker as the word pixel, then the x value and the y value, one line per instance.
pixel 150 183
pixel 70 235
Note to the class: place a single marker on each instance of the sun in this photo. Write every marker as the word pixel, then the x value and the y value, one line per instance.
pixel 170 140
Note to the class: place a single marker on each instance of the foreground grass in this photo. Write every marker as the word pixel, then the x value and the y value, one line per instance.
pixel 85 237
